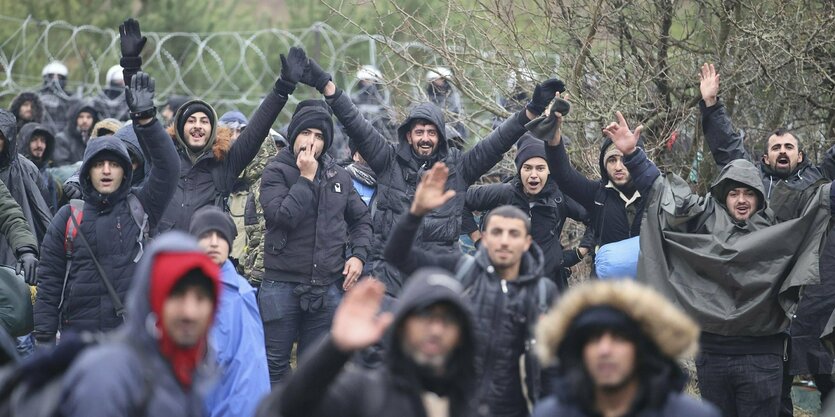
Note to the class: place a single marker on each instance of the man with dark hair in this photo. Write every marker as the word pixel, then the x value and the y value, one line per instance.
pixel 617 344
pixel 504 284
pixel 422 142
pixel 428 370
pixel 156 363
pixel 71 142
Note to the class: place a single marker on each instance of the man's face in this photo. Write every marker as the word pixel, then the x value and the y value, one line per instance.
pixel 84 121
pixel 197 129
pixel 534 175
pixel 37 146
pixel 423 138
pixel 187 314
pixel 358 158
pixel 742 203
pixel 783 153
pixel 617 172
pixel 506 240
pixel 167 113
pixel 215 246
pixel 307 138
pixel 610 361
pixel 429 336
pixel 106 176
pixel 26 110
pixel 439 82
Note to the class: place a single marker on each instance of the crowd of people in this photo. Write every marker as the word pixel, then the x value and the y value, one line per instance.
pixel 190 264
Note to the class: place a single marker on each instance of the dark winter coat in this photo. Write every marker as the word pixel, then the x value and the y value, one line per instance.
pixel 324 386
pixel 130 374
pixel 112 233
pixel 310 222
pixel 13 226
pixel 208 178
pixel 70 143
pixel 677 405
pixel 37 108
pixel 21 178
pixel 611 218
pixel 50 188
pixel 398 169
pixel 56 105
pixel 547 210
pixel 505 313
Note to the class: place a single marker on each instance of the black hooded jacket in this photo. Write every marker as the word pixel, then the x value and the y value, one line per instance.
pixel 70 143
pixel 50 188
pixel 56 104
pixel 320 386
pixel 398 170
pixel 112 233
pixel 37 108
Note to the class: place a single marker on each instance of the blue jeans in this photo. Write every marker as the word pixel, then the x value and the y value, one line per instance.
pixel 741 385
pixel 290 318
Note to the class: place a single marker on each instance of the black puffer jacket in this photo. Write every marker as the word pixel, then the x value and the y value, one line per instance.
pixel 309 222
pixel 50 188
pixel 207 177
pixel 324 386
pixel 112 233
pixel 21 177
pixel 505 313
pixel 70 143
pixel 398 169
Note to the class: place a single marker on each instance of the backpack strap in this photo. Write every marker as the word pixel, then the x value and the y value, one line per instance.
pixel 70 231
pixel 140 217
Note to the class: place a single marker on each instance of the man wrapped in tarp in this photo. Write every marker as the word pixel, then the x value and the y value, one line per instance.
pixel 724 259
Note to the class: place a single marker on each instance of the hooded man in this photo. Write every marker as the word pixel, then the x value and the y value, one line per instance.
pixel 27 108
pixel 54 97
pixel 110 103
pixel 728 263
pixel 504 284
pixel 421 143
pixel 617 346
pixel 22 178
pixel 105 127
pixel 36 143
pixel 428 369
pixel 70 142
pixel 237 336
pixel 156 363
pixel 312 213
pixel 71 294
pixel 533 191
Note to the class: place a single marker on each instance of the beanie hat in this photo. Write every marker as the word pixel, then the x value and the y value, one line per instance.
pixel 195 107
pixel 611 150
pixel 528 147
pixel 234 119
pixel 311 114
pixel 211 218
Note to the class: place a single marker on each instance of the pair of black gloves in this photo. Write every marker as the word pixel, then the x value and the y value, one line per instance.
pixel 296 68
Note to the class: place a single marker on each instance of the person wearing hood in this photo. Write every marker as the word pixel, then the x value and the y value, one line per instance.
pixel 237 336
pixel 156 364
pixel 36 143
pixel 71 294
pixel 727 262
pixel 27 108
pixel 421 143
pixel 105 127
pixel 533 191
pixel 504 283
pixel 616 345
pixel 70 142
pixel 22 179
pixel 110 103
pixel 312 214
pixel 54 97
pixel 428 369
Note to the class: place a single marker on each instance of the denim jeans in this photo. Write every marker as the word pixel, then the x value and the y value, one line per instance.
pixel 741 385
pixel 286 322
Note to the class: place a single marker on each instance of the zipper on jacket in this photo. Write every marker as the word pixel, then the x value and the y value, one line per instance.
pixel 504 286
pixel 499 304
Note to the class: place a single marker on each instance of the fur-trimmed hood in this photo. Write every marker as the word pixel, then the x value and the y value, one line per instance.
pixel 110 124
pixel 674 333
pixel 222 143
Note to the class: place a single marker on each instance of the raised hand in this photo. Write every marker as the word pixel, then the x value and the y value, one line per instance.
pixel 356 324
pixel 543 94
pixel 430 193
pixel 560 109
pixel 140 97
pixel 306 160
pixel 293 67
pixel 709 84
pixel 131 39
pixel 624 139
pixel 315 76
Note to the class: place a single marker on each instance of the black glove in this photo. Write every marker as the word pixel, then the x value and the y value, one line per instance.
pixel 72 190
pixel 292 70
pixel 543 94
pixel 315 76
pixel 561 106
pixel 140 96
pixel 27 263
pixel 132 42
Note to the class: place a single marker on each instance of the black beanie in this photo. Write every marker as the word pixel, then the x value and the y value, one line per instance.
pixel 211 218
pixel 594 320
pixel 195 107
pixel 314 114
pixel 528 147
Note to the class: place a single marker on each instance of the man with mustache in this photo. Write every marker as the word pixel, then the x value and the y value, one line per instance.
pixel 36 143
pixel 71 142
pixel 422 142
